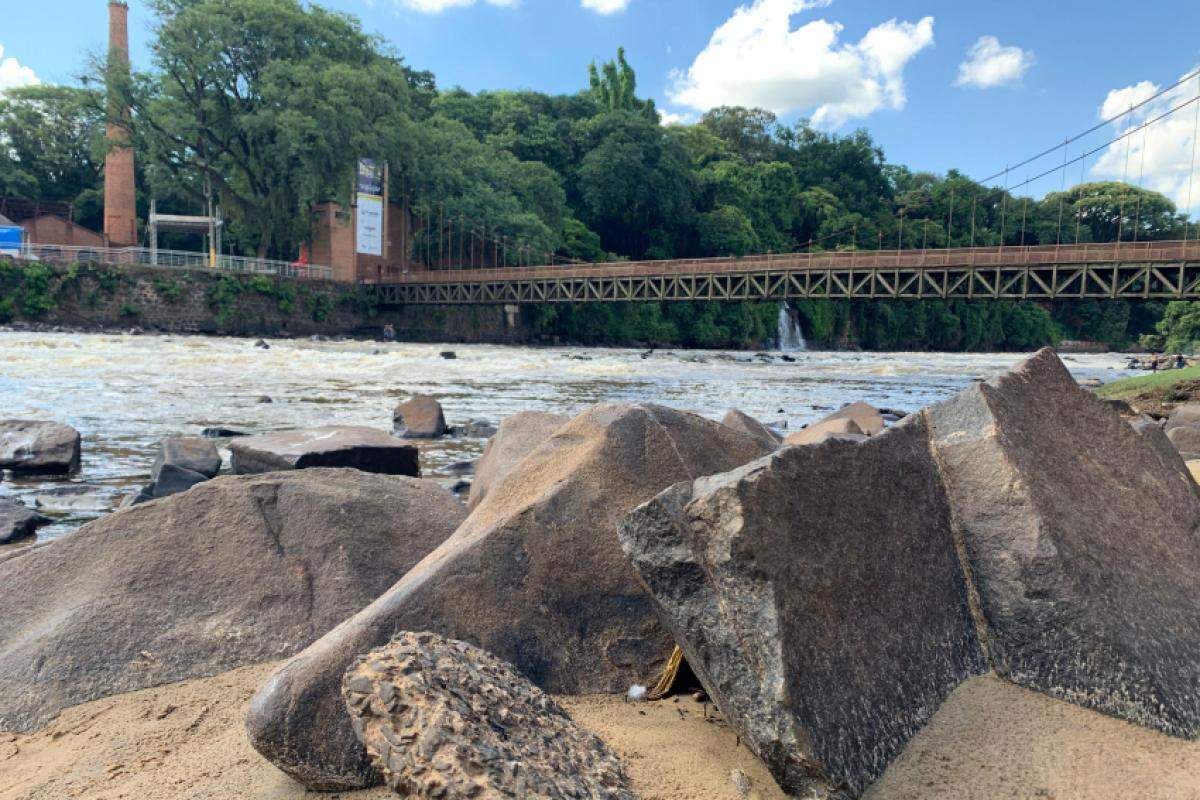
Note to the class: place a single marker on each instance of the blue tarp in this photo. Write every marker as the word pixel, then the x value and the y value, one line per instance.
pixel 10 240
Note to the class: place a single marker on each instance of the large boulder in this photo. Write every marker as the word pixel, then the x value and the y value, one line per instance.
pixel 38 447
pixel 741 421
pixel 1185 416
pixel 18 522
pixel 868 418
pixel 817 595
pixel 535 575
pixel 517 437
pixel 420 417
pixel 1186 440
pixel 443 719
pixel 193 453
pixel 237 571
pixel 828 428
pixel 366 449
pixel 1081 536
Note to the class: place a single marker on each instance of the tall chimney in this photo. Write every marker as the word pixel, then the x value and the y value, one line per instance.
pixel 120 194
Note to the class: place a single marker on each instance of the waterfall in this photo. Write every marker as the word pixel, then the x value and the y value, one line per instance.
pixel 788 334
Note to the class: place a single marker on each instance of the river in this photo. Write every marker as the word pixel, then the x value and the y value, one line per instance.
pixel 126 393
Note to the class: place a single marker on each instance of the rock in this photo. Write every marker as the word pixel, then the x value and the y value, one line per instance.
pixel 1187 416
pixel 825 429
pixel 1186 440
pixel 72 498
pixel 818 597
pixel 366 449
pixel 262 345
pixel 535 575
pixel 143 495
pixel 1081 538
pixel 420 418
pixel 173 480
pixel 517 437
pixel 462 490
pixel 461 468
pixel 265 399
pixel 188 452
pixel 748 425
pixel 476 429
pixel 448 355
pixel 1091 383
pixel 18 522
pixel 866 417
pixel 237 571
pixel 221 433
pixel 1120 406
pixel 443 719
pixel 28 446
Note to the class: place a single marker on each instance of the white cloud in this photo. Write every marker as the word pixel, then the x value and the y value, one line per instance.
pixel 605 6
pixel 438 6
pixel 1163 150
pixel 12 73
pixel 756 59
pixel 672 118
pixel 990 63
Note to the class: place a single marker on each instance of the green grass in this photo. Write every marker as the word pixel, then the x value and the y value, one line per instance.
pixel 1127 388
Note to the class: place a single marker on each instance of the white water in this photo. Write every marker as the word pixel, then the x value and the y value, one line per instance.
pixel 126 393
pixel 789 336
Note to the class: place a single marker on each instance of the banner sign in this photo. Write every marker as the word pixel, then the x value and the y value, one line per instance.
pixel 10 241
pixel 369 227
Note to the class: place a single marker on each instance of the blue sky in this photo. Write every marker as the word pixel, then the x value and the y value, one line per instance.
pixel 938 83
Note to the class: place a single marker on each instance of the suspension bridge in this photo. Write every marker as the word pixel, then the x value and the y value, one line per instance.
pixel 1165 270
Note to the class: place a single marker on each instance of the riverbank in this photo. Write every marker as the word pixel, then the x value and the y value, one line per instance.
pixel 1156 393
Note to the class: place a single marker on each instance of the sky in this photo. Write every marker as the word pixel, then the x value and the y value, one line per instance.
pixel 939 84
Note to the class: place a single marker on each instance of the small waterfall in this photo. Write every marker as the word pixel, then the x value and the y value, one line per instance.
pixel 789 337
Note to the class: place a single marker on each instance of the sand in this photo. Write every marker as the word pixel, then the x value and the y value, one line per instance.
pixel 989 740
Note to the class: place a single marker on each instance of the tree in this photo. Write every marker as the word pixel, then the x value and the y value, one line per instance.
pixel 613 85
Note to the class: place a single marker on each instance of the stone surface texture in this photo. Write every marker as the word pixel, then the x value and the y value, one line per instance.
pixel 1081 538
pixel 1186 440
pixel 517 437
pixel 825 429
pixel 868 418
pixel 535 575
pixel 38 447
pixel 818 596
pixel 443 719
pixel 740 421
pixel 18 522
pixel 193 453
pixel 420 417
pixel 366 449
pixel 237 571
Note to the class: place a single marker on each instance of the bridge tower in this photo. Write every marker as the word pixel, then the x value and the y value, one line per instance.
pixel 120 193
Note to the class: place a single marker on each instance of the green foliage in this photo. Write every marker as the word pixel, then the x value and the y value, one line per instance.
pixel 704 325
pixel 1180 327
pixel 222 296
pixel 129 310
pixel 320 306
pixel 168 288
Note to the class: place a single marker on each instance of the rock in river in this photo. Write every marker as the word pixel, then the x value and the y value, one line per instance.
pixel 748 425
pixel 535 575
pixel 236 571
pixel 517 437
pixel 18 522
pixel 192 453
pixel 441 718
pixel 366 449
pixel 420 417
pixel 38 447
pixel 817 595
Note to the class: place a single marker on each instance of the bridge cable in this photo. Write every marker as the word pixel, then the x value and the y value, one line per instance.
pixel 1192 176
pixel 1124 180
pixel 1137 214
pixel 1062 192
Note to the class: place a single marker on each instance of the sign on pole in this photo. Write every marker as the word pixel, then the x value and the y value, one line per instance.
pixel 369 227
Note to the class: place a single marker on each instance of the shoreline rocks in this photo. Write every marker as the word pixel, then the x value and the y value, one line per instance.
pixel 517 437
pixel 366 449
pixel 39 448
pixel 18 522
pixel 420 417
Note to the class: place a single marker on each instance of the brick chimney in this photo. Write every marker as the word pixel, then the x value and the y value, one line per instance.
pixel 120 193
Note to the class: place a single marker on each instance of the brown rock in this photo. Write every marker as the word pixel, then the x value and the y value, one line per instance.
pixel 820 431
pixel 236 571
pixel 535 575
pixel 420 418
pixel 365 449
pixel 1081 537
pixel 817 595
pixel 868 418
pixel 35 447
pixel 442 719
pixel 194 453
pixel 748 425
pixel 1187 416
pixel 517 437
pixel 1186 440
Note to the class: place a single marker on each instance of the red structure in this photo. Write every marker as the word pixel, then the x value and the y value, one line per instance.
pixel 120 193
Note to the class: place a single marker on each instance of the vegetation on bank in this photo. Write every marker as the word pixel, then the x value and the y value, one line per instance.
pixel 271 102
pixel 1171 386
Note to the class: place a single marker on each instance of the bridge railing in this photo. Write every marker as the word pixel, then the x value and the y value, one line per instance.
pixel 970 257
pixel 171 259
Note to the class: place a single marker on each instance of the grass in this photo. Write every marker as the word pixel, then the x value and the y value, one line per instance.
pixel 1157 383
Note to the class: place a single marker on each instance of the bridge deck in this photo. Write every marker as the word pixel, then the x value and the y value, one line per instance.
pixel 1132 270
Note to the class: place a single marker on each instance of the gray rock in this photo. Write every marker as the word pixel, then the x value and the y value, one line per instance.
pixel 1186 440
pixel 174 479
pixel 73 497
pixel 420 417
pixel 1187 416
pixel 817 595
pixel 237 571
pixel 28 446
pixel 221 433
pixel 1080 533
pixel 748 425
pixel 535 575
pixel 517 437
pixel 442 719
pixel 193 453
pixel 476 429
pixel 868 418
pixel 365 449
pixel 18 522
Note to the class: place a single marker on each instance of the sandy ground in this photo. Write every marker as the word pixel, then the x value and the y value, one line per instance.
pixel 990 740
